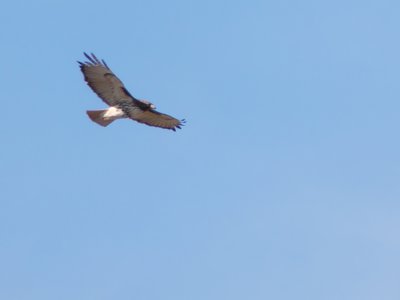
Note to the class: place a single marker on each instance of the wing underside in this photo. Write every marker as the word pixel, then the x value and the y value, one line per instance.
pixel 103 81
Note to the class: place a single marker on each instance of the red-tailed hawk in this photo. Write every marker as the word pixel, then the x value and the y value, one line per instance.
pixel 122 104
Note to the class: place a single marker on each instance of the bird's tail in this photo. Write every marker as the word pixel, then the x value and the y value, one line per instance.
pixel 98 117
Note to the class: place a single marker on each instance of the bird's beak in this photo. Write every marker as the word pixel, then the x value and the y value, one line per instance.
pixel 152 106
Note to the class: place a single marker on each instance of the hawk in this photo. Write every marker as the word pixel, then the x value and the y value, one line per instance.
pixel 122 104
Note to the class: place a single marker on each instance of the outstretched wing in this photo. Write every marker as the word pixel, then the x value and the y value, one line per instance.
pixel 154 118
pixel 103 81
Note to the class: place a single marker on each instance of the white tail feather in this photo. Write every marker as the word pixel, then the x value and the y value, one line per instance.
pixel 106 116
pixel 98 117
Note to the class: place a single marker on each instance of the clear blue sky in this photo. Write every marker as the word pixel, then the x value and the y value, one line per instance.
pixel 283 185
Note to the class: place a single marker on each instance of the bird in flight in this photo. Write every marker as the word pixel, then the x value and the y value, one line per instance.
pixel 122 104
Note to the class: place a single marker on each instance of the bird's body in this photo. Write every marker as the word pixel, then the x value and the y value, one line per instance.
pixel 122 104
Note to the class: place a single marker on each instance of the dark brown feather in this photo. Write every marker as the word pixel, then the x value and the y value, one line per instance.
pixel 104 82
pixel 154 118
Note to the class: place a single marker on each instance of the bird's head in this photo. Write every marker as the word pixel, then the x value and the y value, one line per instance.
pixel 151 105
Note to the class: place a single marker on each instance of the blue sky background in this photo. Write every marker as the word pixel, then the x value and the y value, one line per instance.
pixel 283 185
